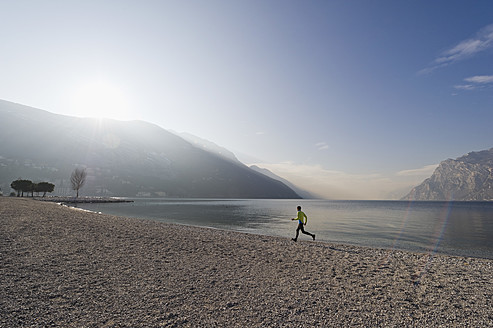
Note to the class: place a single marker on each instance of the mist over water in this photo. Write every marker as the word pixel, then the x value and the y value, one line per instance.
pixel 455 228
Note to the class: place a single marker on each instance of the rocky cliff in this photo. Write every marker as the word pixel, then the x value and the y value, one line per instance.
pixel 467 178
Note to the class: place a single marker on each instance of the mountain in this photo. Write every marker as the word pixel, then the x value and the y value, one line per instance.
pixel 303 193
pixel 133 158
pixel 209 146
pixel 467 178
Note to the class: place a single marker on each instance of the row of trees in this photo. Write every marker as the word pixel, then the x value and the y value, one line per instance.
pixel 77 179
pixel 27 186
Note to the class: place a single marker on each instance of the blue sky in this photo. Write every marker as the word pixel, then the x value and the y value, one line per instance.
pixel 350 99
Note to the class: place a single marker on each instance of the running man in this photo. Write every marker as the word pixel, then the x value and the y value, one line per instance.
pixel 302 219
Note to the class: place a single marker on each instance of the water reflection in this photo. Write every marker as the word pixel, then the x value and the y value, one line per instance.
pixel 453 228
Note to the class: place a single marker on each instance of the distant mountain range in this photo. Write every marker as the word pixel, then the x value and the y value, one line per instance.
pixel 225 153
pixel 131 159
pixel 302 192
pixel 467 178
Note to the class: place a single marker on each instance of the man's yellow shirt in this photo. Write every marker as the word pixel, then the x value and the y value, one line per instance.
pixel 302 217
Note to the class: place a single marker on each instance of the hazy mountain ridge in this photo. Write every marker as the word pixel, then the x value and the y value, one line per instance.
pixel 302 192
pixel 228 155
pixel 122 158
pixel 467 178
pixel 209 146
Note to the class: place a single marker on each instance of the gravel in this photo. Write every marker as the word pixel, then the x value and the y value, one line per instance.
pixel 62 267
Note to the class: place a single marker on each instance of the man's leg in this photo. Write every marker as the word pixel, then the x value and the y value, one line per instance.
pixel 306 232
pixel 300 226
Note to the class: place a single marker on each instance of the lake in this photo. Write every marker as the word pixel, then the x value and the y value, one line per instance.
pixel 454 228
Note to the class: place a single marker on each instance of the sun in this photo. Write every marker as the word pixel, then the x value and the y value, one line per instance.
pixel 101 99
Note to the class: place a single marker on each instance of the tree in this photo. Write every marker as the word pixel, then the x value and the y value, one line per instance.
pixel 21 186
pixel 16 186
pixel 77 179
pixel 44 187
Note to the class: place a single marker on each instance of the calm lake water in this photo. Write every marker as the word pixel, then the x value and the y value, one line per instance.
pixel 456 228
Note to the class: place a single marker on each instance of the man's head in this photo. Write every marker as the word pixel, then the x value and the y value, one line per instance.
pixel 299 208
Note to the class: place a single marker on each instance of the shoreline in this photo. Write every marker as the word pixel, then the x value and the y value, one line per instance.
pixel 82 200
pixel 62 267
pixel 431 245
pixel 426 251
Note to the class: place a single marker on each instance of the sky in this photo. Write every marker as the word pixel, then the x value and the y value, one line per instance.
pixel 347 99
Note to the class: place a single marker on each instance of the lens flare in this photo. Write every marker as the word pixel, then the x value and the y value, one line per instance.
pixel 437 238
pixel 399 235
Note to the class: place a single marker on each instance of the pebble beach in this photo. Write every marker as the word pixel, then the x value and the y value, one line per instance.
pixel 64 267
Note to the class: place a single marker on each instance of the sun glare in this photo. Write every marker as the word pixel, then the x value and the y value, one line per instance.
pixel 101 99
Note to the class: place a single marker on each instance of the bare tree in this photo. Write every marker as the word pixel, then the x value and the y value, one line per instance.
pixel 78 179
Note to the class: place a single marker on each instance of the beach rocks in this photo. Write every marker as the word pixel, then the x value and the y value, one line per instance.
pixel 63 268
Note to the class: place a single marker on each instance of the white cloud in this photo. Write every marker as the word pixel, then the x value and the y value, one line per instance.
pixel 424 171
pixel 462 50
pixel 480 79
pixel 475 82
pixel 482 41
pixel 322 146
pixel 465 87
